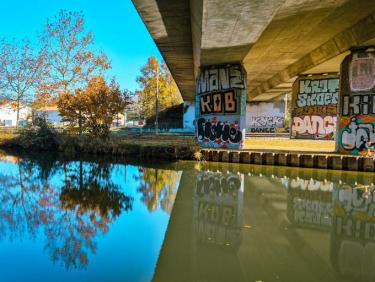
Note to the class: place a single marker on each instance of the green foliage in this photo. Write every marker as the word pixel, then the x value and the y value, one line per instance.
pixel 38 137
pixel 153 74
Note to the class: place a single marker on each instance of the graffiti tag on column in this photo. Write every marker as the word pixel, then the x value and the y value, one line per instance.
pixel 218 103
pixel 362 72
pixel 221 106
pixel 221 78
pixel 263 121
pixel 314 114
pixel 320 92
pixel 219 132
pixel 358 105
pixel 321 127
pixel 357 135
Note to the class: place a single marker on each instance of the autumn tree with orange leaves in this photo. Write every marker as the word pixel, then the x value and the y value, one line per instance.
pixel 93 108
pixel 70 58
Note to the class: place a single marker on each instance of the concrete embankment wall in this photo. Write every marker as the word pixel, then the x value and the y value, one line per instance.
pixel 324 161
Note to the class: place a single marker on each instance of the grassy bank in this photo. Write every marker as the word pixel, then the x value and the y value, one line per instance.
pixel 166 147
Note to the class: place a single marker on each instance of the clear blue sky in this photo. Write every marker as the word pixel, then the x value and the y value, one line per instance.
pixel 117 28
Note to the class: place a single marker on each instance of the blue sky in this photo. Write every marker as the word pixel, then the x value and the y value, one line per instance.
pixel 117 28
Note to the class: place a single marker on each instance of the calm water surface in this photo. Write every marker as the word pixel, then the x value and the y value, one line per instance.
pixel 82 220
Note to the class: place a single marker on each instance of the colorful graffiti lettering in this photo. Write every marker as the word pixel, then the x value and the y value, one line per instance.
pixel 222 102
pixel 265 124
pixel 263 121
pixel 322 110
pixel 314 110
pixel 221 106
pixel 358 105
pixel 315 86
pixel 362 72
pixel 216 78
pixel 357 135
pixel 314 127
pixel 321 99
pixel 219 133
pixel 265 117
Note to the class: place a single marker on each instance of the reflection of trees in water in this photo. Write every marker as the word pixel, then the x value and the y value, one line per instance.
pixel 158 187
pixel 71 216
pixel 20 211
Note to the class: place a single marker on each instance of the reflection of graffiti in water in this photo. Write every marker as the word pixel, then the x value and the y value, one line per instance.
pixel 310 202
pixel 217 208
pixel 353 232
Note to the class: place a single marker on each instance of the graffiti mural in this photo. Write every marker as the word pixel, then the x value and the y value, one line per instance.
pixel 221 106
pixel 222 133
pixel 314 112
pixel 265 117
pixel 357 133
pixel 356 124
pixel 322 127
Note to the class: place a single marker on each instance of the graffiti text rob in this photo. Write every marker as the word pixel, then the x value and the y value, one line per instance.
pixel 218 103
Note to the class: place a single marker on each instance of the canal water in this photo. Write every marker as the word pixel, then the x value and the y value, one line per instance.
pixel 99 220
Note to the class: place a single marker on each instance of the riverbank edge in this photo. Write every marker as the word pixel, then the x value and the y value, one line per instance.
pixel 292 159
pixel 163 148
pixel 72 146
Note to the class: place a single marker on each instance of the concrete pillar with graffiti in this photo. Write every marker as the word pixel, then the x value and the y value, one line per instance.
pixel 221 106
pixel 314 107
pixel 357 103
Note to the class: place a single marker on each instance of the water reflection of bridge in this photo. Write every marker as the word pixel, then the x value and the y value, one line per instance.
pixel 288 225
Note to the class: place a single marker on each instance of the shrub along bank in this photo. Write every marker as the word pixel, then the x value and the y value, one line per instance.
pixel 42 138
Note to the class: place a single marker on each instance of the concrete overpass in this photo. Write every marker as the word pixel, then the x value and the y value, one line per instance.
pixel 276 40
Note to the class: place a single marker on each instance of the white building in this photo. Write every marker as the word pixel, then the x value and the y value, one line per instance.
pixel 51 114
pixel 8 114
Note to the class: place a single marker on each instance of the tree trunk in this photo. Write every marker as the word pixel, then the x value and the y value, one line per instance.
pixel 80 123
pixel 18 112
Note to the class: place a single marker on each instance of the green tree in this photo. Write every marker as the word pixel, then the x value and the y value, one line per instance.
pixel 168 91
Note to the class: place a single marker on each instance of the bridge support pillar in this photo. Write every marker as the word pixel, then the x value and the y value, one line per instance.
pixel 221 106
pixel 356 135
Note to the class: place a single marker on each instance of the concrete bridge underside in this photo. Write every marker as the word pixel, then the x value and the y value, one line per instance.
pixel 275 39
